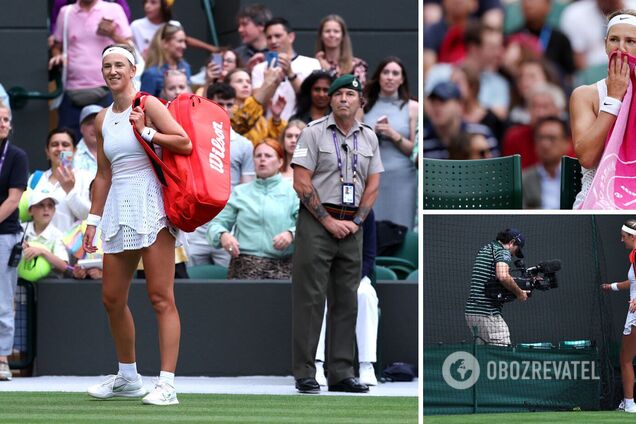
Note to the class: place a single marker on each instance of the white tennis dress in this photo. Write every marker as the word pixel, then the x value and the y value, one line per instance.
pixel 631 316
pixel 134 212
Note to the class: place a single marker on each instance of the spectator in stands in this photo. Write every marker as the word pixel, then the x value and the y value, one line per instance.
pixel 4 98
pixel 295 67
pixel 91 26
pixel 68 184
pixel 393 116
pixel 158 12
pixel 594 107
pixel 467 79
pixel 532 72
pixel 85 157
pixel 367 320
pixel 444 41
pixel 489 11
pixel 175 82
pixel 584 22
pixel 200 252
pixel 312 102
pixel 334 50
pixel 466 145
pixel 288 140
pixel 263 214
pixel 544 100
pixel 216 74
pixel 251 20
pixel 484 53
pixel 165 52
pixel 247 114
pixel 555 45
pixel 445 122
pixel 13 181
pixel 542 182
pixel 58 4
pixel 144 29
pixel 628 343
pixel 42 239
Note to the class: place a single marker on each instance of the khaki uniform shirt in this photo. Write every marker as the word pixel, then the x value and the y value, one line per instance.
pixel 315 151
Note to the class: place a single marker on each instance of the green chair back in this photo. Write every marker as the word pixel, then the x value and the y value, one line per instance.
pixel 514 19
pixel 473 184
pixel 412 276
pixel 570 181
pixel 207 272
pixel 382 273
pixel 408 249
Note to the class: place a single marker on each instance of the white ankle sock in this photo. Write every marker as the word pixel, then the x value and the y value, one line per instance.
pixel 128 371
pixel 167 377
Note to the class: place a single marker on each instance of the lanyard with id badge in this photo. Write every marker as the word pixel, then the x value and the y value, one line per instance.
pixel 348 190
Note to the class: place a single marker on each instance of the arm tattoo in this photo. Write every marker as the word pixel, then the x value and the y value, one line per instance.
pixel 363 211
pixel 312 202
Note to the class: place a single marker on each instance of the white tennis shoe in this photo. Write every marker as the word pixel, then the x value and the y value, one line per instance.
pixel 631 408
pixel 320 373
pixel 118 386
pixel 163 394
pixel 367 374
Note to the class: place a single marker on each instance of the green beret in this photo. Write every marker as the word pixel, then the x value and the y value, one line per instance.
pixel 345 81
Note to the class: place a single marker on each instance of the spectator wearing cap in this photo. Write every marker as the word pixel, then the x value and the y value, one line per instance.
pixel 542 182
pixel 85 157
pixel 280 38
pixel 42 238
pixel 91 26
pixel 493 261
pixel 337 192
pixel 444 110
pixel 393 116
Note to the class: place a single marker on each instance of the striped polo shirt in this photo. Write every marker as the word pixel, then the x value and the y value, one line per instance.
pixel 483 271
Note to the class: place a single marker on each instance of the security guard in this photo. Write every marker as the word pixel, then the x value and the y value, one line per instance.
pixel 337 170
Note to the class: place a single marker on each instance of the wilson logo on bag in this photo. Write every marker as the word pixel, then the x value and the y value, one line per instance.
pixel 196 187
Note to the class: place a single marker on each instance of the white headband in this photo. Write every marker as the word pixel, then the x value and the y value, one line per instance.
pixel 121 51
pixel 621 19
pixel 628 230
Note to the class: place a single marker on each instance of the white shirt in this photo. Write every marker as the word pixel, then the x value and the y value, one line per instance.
pixel 550 188
pixel 74 205
pixel 585 26
pixel 142 31
pixel 51 238
pixel 301 66
pixel 84 159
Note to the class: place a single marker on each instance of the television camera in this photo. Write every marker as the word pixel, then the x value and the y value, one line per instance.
pixel 541 277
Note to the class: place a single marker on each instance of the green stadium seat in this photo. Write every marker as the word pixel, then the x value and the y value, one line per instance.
pixel 570 181
pixel 208 272
pixel 473 184
pixel 384 274
pixel 412 276
pixel 405 259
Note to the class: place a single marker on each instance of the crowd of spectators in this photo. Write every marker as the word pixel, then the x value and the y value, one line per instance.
pixel 271 92
pixel 499 73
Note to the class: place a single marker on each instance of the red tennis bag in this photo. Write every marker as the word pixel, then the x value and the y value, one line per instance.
pixel 197 186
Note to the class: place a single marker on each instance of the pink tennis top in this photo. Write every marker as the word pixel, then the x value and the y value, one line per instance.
pixel 84 58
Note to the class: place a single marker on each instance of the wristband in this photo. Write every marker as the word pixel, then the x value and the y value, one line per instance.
pixel 148 133
pixel 93 220
pixel 610 105
pixel 614 286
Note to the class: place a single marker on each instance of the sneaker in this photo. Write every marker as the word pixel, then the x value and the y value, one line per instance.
pixel 118 386
pixel 621 406
pixel 630 408
pixel 162 394
pixel 5 371
pixel 320 373
pixel 367 374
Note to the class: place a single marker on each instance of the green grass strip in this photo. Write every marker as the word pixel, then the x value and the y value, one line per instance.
pixel 601 417
pixel 67 408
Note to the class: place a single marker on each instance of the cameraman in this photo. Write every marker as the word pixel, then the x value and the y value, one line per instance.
pixel 483 314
